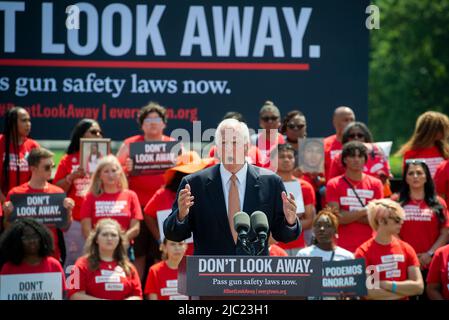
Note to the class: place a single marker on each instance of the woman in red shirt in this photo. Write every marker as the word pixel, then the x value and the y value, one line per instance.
pixel 430 140
pixel 393 261
pixel 162 281
pixel 109 197
pixel 27 247
pixel 426 225
pixel 72 178
pixel 13 163
pixel 105 272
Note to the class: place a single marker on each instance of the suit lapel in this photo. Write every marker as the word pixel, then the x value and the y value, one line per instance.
pixel 251 191
pixel 216 199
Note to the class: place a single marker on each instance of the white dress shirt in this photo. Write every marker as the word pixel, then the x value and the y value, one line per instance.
pixel 241 183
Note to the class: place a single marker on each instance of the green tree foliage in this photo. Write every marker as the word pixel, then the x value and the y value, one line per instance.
pixel 409 66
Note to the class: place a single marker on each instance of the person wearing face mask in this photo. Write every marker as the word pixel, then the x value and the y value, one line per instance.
pixel 377 163
pixel 40 162
pixel 152 121
pixel 15 146
pixel 73 179
pixel 426 225
pixel 105 259
pixel 394 260
pixel 109 197
pixel 27 247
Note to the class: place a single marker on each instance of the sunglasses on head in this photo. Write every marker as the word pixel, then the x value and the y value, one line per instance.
pixel 96 132
pixel 356 135
pixel 267 118
pixel 415 161
pixel 295 126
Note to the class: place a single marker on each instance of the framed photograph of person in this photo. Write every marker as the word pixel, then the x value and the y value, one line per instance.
pixel 311 155
pixel 91 151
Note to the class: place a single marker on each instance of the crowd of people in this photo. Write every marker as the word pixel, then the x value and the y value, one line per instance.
pixel 339 207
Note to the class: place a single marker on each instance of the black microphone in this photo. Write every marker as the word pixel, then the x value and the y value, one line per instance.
pixel 242 227
pixel 259 223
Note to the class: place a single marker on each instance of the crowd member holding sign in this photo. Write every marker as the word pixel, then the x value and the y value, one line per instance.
pixel 152 121
pixel 73 179
pixel 15 145
pixel 426 225
pixel 438 276
pixel 162 281
pixel 105 272
pixel 377 163
pixel 333 144
pixel 430 140
pixel 394 260
pixel 350 193
pixel 27 247
pixel 304 193
pixel 208 200
pixel 109 197
pixel 40 162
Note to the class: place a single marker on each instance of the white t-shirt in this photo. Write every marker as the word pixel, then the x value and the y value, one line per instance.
pixel 314 251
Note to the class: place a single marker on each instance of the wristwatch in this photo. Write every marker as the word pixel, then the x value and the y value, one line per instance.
pixel 430 253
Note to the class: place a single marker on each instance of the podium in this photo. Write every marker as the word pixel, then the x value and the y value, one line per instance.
pixel 240 277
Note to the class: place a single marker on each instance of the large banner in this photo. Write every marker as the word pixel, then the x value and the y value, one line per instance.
pixel 64 61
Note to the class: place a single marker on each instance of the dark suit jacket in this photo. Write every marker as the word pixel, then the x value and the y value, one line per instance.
pixel 208 219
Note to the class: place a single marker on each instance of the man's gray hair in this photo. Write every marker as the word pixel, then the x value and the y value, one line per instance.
pixel 240 127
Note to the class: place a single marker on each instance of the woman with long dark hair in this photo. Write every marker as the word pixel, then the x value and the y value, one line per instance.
pixel 74 180
pixel 14 149
pixel 426 225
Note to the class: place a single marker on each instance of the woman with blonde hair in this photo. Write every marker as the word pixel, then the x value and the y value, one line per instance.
pixel 394 261
pixel 105 272
pixel 430 140
pixel 109 197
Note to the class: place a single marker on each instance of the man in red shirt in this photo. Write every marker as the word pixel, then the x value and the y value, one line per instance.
pixel 441 180
pixel 394 262
pixel 438 276
pixel 332 144
pixel 40 162
pixel 350 193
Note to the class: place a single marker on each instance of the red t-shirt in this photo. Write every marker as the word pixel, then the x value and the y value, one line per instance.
pixel 145 186
pixel 308 195
pixel 439 270
pixel 441 179
pixel 276 251
pixel 332 148
pixel 421 227
pixel 391 261
pixel 68 164
pixel 109 281
pixel 376 165
pixel 122 206
pixel 254 155
pixel 431 155
pixel 16 159
pixel 265 148
pixel 163 281
pixel 47 265
pixel 351 235
pixel 50 188
pixel 163 200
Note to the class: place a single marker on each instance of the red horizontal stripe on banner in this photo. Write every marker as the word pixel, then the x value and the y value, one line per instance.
pixel 155 64
pixel 257 274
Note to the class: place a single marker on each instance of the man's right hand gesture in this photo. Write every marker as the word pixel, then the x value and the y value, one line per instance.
pixel 185 201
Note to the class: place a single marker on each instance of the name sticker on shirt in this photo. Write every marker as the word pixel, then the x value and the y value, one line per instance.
pixel 393 274
pixel 172 284
pixel 386 266
pixel 393 258
pixel 169 291
pixel 351 201
pixel 361 192
pixel 114 287
pixel 107 279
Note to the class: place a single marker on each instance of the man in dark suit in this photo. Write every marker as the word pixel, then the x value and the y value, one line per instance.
pixel 222 190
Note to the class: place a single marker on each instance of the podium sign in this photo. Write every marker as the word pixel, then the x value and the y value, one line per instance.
pixel 250 276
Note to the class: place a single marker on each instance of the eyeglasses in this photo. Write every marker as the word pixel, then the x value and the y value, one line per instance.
pixel 48 167
pixel 395 219
pixel 356 135
pixel 152 120
pixel 295 126
pixel 96 132
pixel 267 118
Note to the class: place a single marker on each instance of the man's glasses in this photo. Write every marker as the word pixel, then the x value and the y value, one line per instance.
pixel 293 126
pixel 356 135
pixel 96 132
pixel 267 118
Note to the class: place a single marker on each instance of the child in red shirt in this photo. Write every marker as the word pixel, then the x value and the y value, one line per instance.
pixel 105 273
pixel 162 281
pixel 393 261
